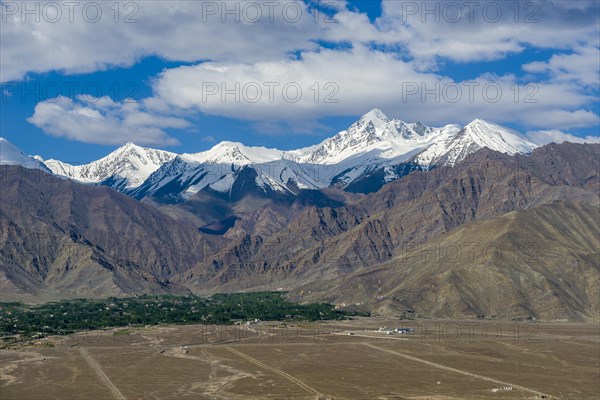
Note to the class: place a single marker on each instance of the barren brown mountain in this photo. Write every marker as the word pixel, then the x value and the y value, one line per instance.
pixel 542 263
pixel 324 243
pixel 62 239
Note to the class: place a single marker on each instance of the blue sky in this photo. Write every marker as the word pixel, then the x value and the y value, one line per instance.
pixel 375 55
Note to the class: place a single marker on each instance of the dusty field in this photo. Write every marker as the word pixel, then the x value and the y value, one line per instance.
pixel 439 360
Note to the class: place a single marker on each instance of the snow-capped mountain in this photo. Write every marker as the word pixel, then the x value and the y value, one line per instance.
pixel 374 134
pixel 374 144
pixel 445 146
pixel 124 169
pixel 454 146
pixel 228 163
pixel 11 155
pixel 236 153
pixel 371 152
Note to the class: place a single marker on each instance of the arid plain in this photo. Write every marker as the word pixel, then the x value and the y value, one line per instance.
pixel 440 359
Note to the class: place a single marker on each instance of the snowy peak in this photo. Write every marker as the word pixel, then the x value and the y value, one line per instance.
pixel 375 117
pixel 236 153
pixel 369 126
pixel 12 155
pixel 455 144
pixel 373 134
pixel 145 155
pixel 125 168
pixel 375 114
pixel 496 137
pixel 219 169
pixel 373 146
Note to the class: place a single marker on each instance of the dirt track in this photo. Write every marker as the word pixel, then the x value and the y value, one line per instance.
pixel 467 373
pixel 98 369
pixel 352 361
pixel 285 375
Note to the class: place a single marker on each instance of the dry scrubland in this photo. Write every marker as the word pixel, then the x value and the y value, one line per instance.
pixel 442 359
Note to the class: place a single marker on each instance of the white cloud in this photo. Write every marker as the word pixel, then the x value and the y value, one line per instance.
pixel 227 52
pixel 286 89
pixel 360 79
pixel 238 31
pixel 173 30
pixel 103 121
pixel 558 118
pixel 583 66
pixel 488 29
pixel 543 137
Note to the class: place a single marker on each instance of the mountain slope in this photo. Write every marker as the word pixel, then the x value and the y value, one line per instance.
pixel 449 146
pixel 541 262
pixel 374 134
pixel 371 152
pixel 186 175
pixel 454 147
pixel 11 155
pixel 324 243
pixel 242 180
pixel 63 239
pixel 123 169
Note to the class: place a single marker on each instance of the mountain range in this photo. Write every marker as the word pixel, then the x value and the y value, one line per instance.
pixel 217 187
pixel 372 145
pixel 366 218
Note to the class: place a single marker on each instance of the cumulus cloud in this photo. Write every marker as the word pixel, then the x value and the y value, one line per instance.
pixel 278 48
pixel 582 66
pixel 561 118
pixel 335 82
pixel 92 36
pixel 489 29
pixel 318 84
pixel 103 121
pixel 543 137
pixel 264 30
